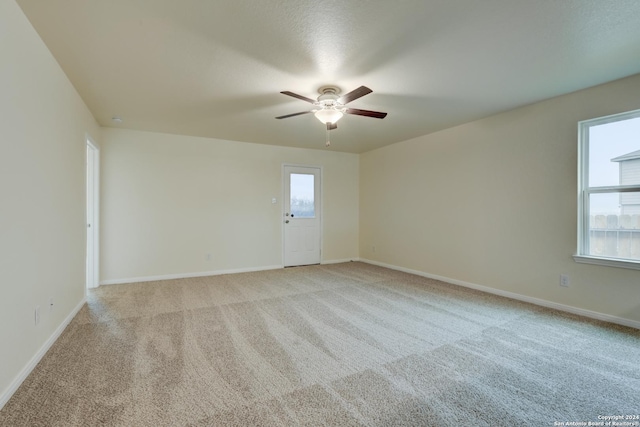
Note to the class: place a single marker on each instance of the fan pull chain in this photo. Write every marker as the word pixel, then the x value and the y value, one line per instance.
pixel 328 143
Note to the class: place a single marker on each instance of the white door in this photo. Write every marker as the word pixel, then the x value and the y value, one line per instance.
pixel 302 212
pixel 93 162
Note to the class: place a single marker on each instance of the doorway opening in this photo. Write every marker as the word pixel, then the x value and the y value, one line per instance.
pixel 92 210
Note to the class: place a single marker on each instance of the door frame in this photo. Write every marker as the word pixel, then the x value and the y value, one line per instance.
pixel 284 202
pixel 92 214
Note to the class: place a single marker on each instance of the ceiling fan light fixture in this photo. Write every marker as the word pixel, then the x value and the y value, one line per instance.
pixel 329 115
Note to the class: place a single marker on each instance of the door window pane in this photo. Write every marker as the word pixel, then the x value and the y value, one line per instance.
pixel 302 202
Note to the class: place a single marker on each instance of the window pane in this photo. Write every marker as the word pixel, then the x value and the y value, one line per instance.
pixel 614 153
pixel 614 225
pixel 302 203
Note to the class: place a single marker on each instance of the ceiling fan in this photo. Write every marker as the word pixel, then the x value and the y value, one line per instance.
pixel 330 107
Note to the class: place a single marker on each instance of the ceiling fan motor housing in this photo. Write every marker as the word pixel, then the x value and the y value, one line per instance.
pixel 328 95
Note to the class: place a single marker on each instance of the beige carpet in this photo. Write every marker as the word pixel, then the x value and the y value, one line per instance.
pixel 338 345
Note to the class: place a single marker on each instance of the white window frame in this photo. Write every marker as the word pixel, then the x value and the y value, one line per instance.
pixel 584 191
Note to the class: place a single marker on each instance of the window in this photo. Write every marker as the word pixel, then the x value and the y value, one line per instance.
pixel 609 190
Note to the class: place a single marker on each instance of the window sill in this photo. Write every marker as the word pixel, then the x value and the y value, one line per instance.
pixel 609 262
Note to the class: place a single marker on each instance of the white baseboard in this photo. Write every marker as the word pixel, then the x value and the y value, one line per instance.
pixel 188 275
pixel 209 273
pixel 15 384
pixel 339 261
pixel 537 301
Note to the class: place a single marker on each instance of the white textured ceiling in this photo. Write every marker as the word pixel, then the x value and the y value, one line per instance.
pixel 214 68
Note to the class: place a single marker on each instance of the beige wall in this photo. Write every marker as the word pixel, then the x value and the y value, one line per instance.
pixel 169 200
pixel 43 123
pixel 493 203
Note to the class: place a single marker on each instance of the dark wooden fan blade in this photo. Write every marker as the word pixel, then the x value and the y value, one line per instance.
pixel 294 114
pixel 355 94
pixel 332 126
pixel 295 95
pixel 366 113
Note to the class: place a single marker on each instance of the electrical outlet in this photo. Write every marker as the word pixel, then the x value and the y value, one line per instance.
pixel 373 249
pixel 208 257
pixel 564 280
pixel 37 314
